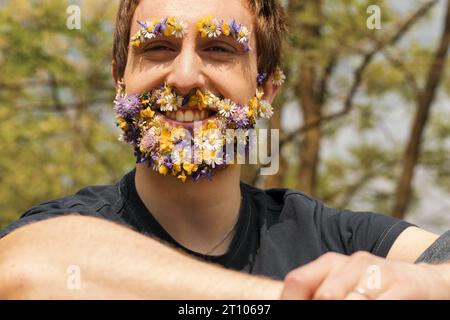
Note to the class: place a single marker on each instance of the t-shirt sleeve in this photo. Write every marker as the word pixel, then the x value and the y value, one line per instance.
pixel 47 210
pixel 360 231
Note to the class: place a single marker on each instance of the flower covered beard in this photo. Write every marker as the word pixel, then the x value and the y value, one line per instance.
pixel 186 136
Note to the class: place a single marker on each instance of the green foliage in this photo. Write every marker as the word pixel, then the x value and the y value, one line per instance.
pixel 56 93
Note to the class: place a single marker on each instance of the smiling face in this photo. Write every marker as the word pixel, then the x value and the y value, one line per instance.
pixel 191 76
pixel 219 65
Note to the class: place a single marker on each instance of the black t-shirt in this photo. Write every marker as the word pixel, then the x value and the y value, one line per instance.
pixel 278 229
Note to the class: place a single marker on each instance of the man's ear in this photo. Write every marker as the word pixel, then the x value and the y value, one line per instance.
pixel 270 89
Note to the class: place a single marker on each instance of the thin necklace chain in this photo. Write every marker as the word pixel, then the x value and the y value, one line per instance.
pixel 227 234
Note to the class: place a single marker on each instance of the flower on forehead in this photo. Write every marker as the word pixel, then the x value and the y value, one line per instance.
pixel 127 106
pixel 278 77
pixel 226 108
pixel 265 109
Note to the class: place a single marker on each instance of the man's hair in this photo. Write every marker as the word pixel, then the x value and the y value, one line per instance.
pixel 270 28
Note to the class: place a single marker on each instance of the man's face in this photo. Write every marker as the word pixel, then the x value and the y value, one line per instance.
pixel 191 65
pixel 219 65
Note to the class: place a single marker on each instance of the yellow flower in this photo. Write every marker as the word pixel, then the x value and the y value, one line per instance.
pixel 122 123
pixel 171 21
pixel 211 124
pixel 176 168
pixel 203 24
pixel 259 93
pixel 169 31
pixel 226 29
pixel 162 169
pixel 182 177
pixel 147 113
pixel 199 100
pixel 136 43
pixel 165 141
pixel 190 167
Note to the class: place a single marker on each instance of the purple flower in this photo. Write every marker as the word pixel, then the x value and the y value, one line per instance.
pixel 168 162
pixel 160 27
pixel 149 141
pixel 234 27
pixel 203 172
pixel 246 46
pixel 128 106
pixel 142 24
pixel 261 77
pixel 240 117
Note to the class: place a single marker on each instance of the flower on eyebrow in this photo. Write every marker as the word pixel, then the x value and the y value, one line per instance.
pixel 169 26
pixel 213 27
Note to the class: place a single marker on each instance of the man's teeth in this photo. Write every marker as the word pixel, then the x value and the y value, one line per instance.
pixel 187 115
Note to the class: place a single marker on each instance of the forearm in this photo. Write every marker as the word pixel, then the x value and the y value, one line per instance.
pixel 114 262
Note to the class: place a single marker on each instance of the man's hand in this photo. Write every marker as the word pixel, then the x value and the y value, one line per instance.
pixel 365 276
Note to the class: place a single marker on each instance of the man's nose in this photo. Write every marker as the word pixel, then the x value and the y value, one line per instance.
pixel 186 72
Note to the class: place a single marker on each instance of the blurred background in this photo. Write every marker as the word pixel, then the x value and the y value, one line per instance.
pixel 364 116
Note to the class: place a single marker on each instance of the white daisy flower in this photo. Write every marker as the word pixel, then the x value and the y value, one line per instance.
pixel 211 139
pixel 214 29
pixel 148 35
pixel 227 108
pixel 278 77
pixel 180 29
pixel 170 102
pixel 243 35
pixel 212 157
pixel 265 109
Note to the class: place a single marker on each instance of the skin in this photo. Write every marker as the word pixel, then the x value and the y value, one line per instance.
pixel 34 258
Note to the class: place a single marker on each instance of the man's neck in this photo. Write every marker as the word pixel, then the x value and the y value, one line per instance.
pixel 197 214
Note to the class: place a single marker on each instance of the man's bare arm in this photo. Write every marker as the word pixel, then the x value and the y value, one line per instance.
pixel 114 262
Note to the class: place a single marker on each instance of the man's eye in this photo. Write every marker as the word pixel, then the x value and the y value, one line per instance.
pixel 219 49
pixel 159 48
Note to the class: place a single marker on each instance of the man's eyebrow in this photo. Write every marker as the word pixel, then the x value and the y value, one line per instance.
pixel 211 27
pixel 168 27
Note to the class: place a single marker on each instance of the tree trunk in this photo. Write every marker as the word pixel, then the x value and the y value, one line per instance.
pixel 307 92
pixel 425 101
